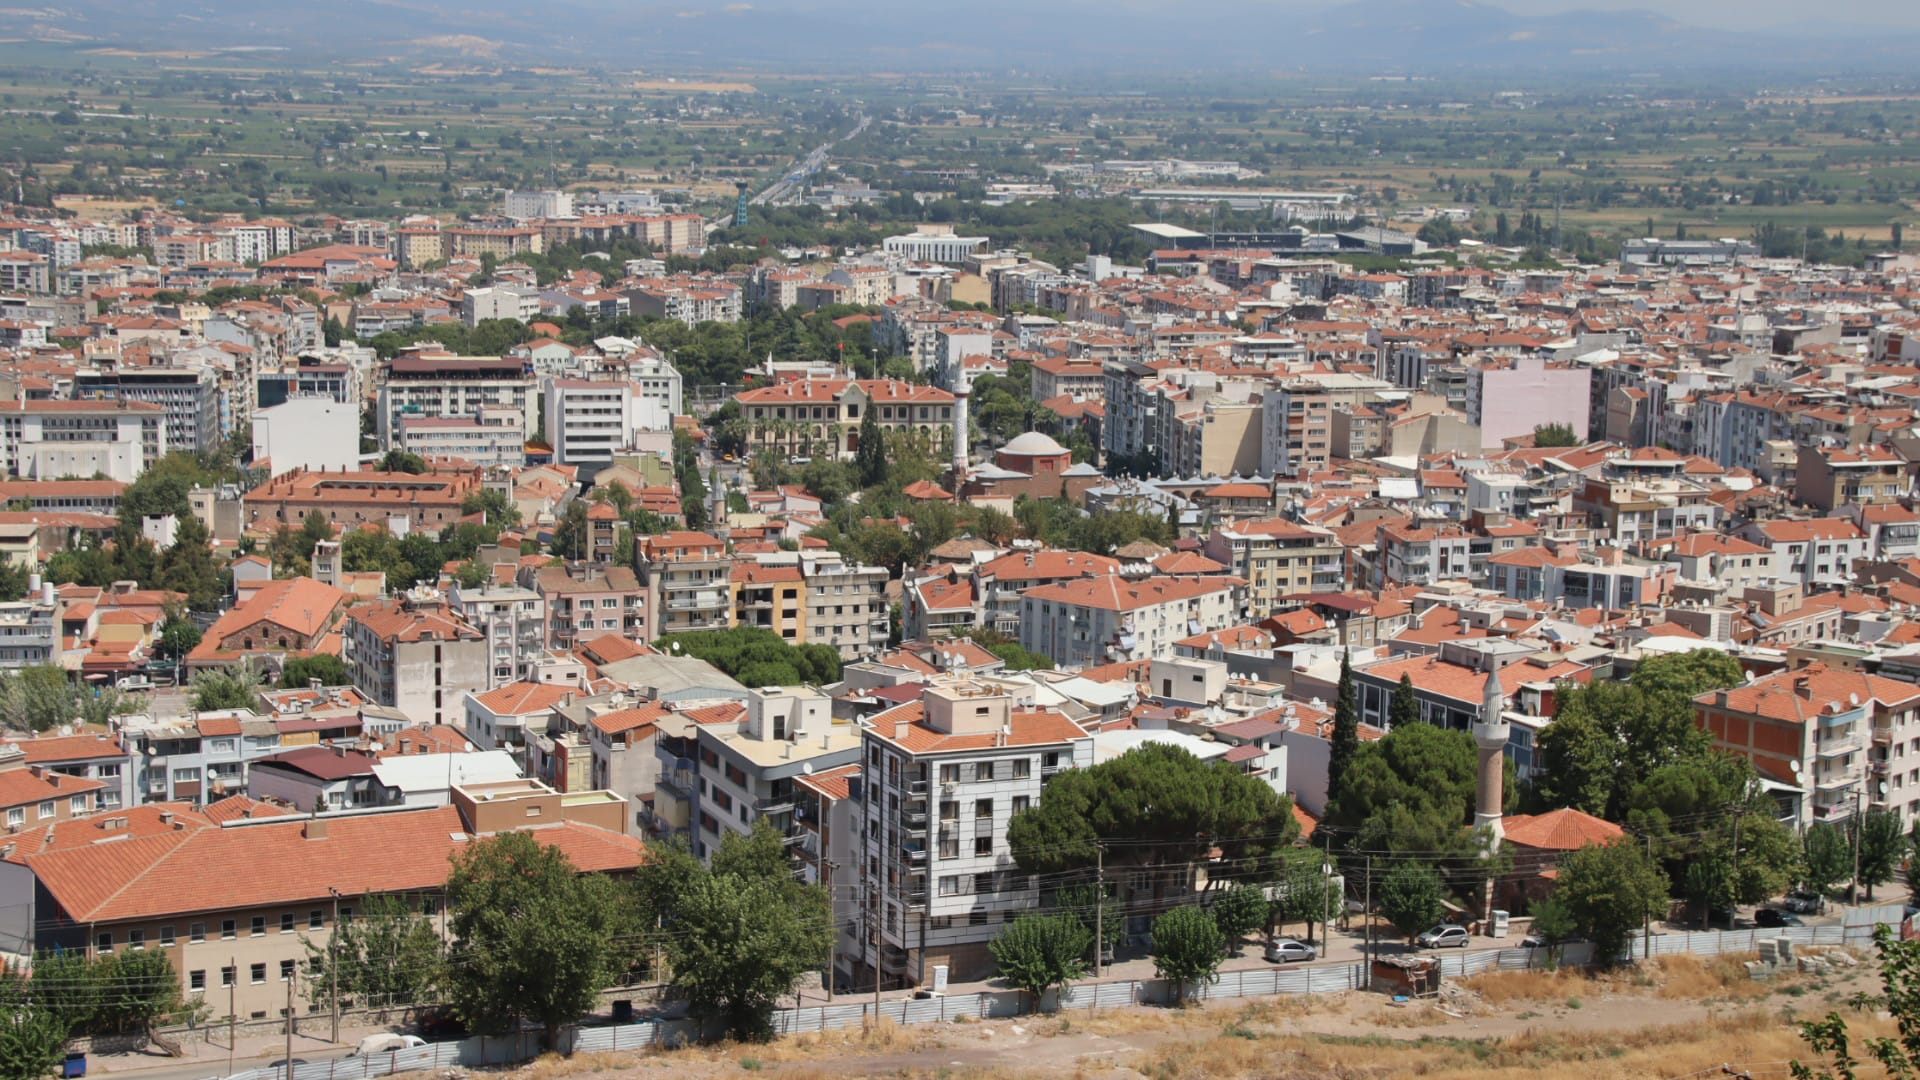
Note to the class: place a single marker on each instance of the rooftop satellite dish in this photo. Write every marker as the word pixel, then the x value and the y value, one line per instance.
pixel 806 769
pixel 1853 699
pixel 1794 766
pixel 1882 787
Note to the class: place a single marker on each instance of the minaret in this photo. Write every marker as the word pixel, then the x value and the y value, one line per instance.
pixel 1490 734
pixel 960 390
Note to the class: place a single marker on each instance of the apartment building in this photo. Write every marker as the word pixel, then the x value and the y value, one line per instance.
pixel 589 421
pixel 416 655
pixel 845 607
pixel 1830 477
pixel 1814 551
pixel 941 778
pixel 1297 419
pixel 748 770
pixel 688 301
pixel 1823 739
pixel 418 384
pixel 586 600
pixel 98 756
pixel 204 758
pixel 1421 555
pixel 688 581
pixel 1060 376
pixel 1110 619
pixel 29 633
pixel 492 437
pixel 1278 558
pixel 519 303
pixel 514 621
pixel 188 397
pixel 32 796
pixel 50 440
pixel 1730 563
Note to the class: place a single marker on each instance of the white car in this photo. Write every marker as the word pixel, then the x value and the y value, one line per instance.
pixel 386 1043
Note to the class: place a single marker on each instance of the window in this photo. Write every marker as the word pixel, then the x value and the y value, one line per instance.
pixel 949 774
pixel 258 973
pixel 983 809
pixel 166 936
pixel 136 939
pixel 983 845
pixel 950 886
pixel 949 845
pixel 982 771
pixel 46 809
pixel 1022 768
pixel 316 919
pixel 17 816
pixel 949 809
pixel 228 927
pixel 286 971
pixel 286 922
pixel 259 925
pixel 104 942
pixel 197 981
pixel 76 805
pixel 227 975
pixel 197 932
pixel 1019 804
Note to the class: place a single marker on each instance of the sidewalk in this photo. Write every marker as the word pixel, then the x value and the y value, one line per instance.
pixel 204 1058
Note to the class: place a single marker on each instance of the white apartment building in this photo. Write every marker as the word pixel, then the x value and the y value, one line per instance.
pixel 514 621
pixel 589 421
pixel 942 777
pixel 747 772
pixel 1110 619
pixel 45 440
pixel 317 434
pixel 493 437
pixel 538 204
pixel 499 302
pixel 454 386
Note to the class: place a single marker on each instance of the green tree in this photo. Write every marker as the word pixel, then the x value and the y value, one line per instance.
pixel 1171 807
pixel 744 934
pixel 1609 891
pixel 498 508
pixel 1187 948
pixel 188 566
pixel 1898 1056
pixel 870 457
pixel 33 1039
pixel 1305 892
pixel 1094 907
pixel 1404 709
pixel 1881 846
pixel 1414 791
pixel 300 672
pixel 1239 911
pixel 388 954
pixel 538 939
pixel 38 698
pixel 1037 953
pixel 1410 897
pixel 1826 858
pixel 1555 435
pixel 757 656
pixel 1552 920
pixel 400 461
pixel 1344 740
pixel 179 637
pixel 236 687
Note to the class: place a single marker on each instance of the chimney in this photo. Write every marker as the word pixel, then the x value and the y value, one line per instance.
pixel 314 829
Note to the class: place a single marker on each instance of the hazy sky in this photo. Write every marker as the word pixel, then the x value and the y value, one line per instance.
pixel 1840 15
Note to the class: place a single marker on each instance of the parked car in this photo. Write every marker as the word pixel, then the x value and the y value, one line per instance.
pixel 1444 936
pixel 1772 917
pixel 438 1023
pixel 1287 950
pixel 1806 903
pixel 385 1043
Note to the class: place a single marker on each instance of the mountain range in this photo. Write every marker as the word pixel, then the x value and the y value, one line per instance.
pixel 1064 36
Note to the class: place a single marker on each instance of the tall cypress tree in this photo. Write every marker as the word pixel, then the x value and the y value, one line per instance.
pixel 1346 727
pixel 870 457
pixel 1405 708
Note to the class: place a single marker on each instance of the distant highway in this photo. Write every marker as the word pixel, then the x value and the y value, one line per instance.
pixel 791 184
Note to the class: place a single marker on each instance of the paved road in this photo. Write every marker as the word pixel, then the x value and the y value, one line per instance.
pixel 785 189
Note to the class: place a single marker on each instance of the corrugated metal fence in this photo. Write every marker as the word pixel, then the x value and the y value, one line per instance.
pixel 1857 931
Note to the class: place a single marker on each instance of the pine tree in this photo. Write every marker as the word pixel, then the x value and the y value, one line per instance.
pixel 870 458
pixel 1346 726
pixel 1405 707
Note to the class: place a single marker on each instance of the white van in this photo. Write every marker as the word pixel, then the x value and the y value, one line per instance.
pixel 386 1043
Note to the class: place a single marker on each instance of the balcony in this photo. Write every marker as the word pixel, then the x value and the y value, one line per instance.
pixel 1835 747
pixel 914 851
pixel 917 787
pixel 773 806
pixel 914 819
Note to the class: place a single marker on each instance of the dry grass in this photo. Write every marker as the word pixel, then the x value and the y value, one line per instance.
pixel 1414 1014
pixel 1709 977
pixel 553 1066
pixel 1500 987
pixel 1749 1036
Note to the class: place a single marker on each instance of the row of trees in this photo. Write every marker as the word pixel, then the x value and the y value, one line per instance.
pixel 70 994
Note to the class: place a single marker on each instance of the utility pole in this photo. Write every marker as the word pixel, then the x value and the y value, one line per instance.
pixel 1368 915
pixel 333 961
pixel 833 932
pixel 1099 906
pixel 879 914
pixel 289 1072
pixel 1853 893
pixel 1646 919
pixel 233 1014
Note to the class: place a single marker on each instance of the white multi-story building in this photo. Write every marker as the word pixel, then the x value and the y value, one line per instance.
pixel 499 302
pixel 1110 619
pixel 318 434
pixel 514 620
pixel 588 420
pixel 494 437
pixel 454 386
pixel 539 204
pixel 933 243
pixel 46 440
pixel 747 773
pixel 942 777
